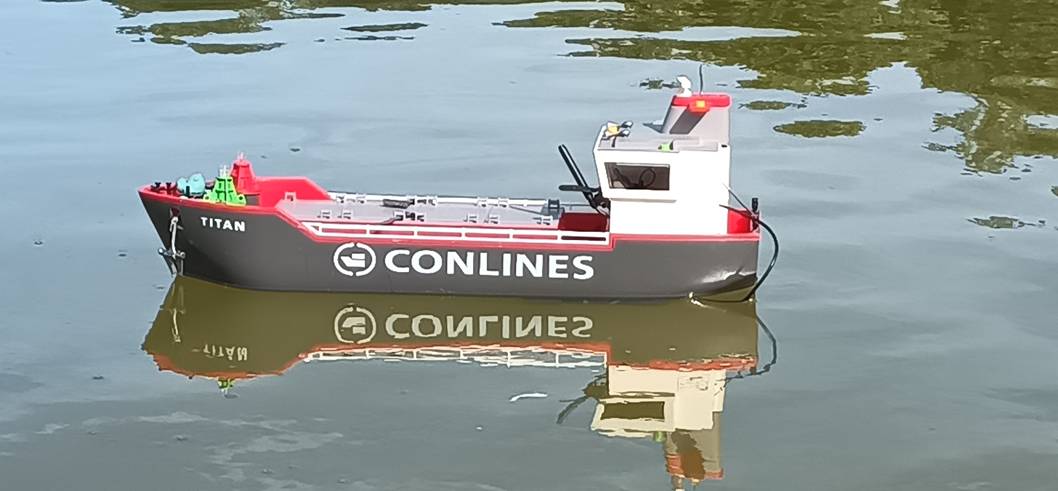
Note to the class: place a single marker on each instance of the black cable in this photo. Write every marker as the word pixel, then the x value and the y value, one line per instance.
pixel 774 354
pixel 574 403
pixel 775 241
pixel 739 200
pixel 771 264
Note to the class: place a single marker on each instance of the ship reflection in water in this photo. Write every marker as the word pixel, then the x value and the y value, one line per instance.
pixel 660 369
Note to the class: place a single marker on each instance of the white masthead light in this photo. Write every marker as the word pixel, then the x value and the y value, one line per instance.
pixel 685 86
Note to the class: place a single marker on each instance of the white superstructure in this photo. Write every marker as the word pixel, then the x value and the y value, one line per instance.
pixel 673 176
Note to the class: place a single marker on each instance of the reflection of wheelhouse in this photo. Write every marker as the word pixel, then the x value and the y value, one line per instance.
pixel 664 365
pixel 644 401
pixel 679 408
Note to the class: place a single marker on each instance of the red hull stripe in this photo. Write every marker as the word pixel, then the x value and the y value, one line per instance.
pixel 181 202
pixel 438 234
pixel 481 235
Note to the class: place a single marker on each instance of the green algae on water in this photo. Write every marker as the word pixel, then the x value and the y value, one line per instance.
pixel 406 26
pixel 772 105
pixel 820 128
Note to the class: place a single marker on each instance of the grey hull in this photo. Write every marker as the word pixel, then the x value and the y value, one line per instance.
pixel 265 252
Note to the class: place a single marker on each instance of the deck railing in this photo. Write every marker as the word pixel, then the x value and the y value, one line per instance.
pixel 482 355
pixel 472 234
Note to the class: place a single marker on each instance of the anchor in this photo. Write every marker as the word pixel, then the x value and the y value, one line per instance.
pixel 174 258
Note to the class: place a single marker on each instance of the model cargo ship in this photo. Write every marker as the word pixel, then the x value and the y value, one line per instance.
pixel 658 224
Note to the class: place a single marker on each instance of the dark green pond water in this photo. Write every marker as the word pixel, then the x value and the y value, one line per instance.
pixel 905 152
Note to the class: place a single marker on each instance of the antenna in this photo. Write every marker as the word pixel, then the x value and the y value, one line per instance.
pixel 701 77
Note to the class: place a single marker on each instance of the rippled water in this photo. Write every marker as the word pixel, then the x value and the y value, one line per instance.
pixel 904 151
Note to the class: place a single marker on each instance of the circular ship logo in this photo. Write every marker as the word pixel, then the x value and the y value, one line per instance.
pixel 354 325
pixel 354 259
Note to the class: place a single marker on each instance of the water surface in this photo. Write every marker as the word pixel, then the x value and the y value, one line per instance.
pixel 904 151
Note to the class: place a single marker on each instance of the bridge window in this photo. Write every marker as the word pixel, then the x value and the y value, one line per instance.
pixel 654 410
pixel 652 177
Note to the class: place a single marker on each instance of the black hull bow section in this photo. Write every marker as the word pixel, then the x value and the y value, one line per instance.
pixel 266 250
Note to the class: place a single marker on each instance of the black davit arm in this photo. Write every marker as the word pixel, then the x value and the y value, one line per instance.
pixel 578 177
pixel 592 194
